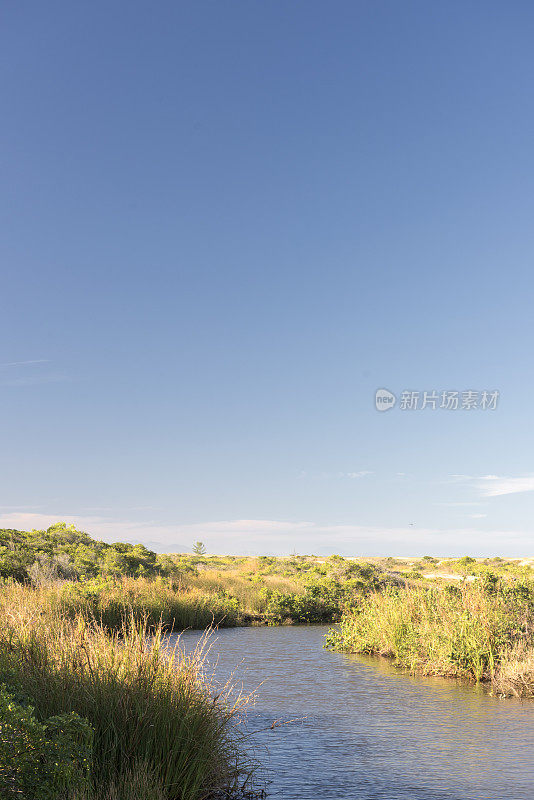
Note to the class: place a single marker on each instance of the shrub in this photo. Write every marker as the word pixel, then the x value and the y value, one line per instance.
pixel 38 760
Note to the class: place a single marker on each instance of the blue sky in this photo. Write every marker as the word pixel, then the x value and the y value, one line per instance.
pixel 224 226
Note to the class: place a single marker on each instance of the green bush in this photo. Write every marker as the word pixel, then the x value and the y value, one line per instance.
pixel 313 606
pixel 457 631
pixel 38 760
pixel 64 553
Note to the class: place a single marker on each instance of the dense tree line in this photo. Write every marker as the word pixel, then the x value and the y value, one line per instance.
pixel 63 552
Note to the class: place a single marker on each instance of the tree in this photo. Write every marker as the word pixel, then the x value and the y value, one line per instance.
pixel 199 549
pixel 113 562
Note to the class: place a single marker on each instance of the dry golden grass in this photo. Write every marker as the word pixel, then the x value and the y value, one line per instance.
pixel 243 583
pixel 515 674
pixel 152 708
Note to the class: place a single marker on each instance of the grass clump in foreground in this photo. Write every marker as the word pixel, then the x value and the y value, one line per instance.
pixel 150 713
pixel 482 632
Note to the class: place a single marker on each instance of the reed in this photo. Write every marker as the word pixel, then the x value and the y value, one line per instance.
pixel 465 632
pixel 244 584
pixel 515 675
pixel 157 601
pixel 152 708
pixel 138 783
pixel 210 598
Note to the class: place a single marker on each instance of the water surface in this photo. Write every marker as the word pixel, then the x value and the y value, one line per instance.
pixel 364 731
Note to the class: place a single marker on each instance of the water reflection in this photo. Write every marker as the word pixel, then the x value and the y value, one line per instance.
pixel 367 732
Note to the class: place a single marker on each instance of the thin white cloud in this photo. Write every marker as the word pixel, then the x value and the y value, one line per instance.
pixel 17 377
pixel 280 537
pixel 477 516
pixel 333 475
pixel 495 485
pixel 25 363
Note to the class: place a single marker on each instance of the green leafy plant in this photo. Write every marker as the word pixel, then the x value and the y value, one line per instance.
pixel 39 761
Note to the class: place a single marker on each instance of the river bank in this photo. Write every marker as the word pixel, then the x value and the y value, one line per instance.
pixel 484 633
pixel 106 709
pixel 93 714
pixel 84 695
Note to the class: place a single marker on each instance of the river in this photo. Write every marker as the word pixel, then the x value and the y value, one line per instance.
pixel 361 730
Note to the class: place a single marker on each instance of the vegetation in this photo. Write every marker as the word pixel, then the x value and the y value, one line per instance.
pixel 94 705
pixel 91 694
pixel 76 574
pixel 62 552
pixel 40 761
pixel 156 601
pixel 482 631
pixel 96 713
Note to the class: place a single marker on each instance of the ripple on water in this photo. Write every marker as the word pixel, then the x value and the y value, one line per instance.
pixel 357 729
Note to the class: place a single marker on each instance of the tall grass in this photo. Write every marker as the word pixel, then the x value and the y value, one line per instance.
pixel 157 601
pixel 208 599
pixel 152 709
pixel 244 584
pixel 138 783
pixel 462 633
pixel 515 676
pixel 219 591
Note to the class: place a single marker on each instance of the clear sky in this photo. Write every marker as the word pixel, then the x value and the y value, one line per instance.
pixel 224 226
